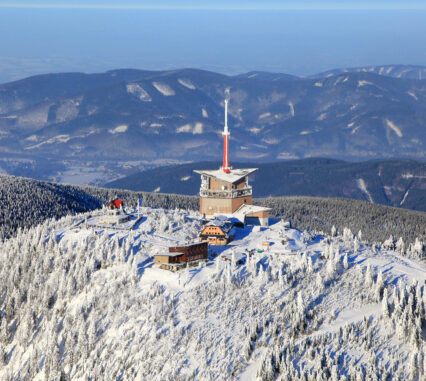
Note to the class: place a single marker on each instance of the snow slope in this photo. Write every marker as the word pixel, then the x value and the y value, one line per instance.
pixel 83 302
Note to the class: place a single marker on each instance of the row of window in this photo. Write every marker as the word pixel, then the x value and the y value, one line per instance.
pixel 195 257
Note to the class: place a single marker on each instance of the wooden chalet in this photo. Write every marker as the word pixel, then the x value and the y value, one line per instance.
pixel 217 232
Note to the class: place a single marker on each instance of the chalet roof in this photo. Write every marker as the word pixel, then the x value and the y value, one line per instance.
pixel 233 176
pixel 224 226
pixel 217 223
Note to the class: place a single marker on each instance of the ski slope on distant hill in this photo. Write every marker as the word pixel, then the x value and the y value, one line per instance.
pixel 88 302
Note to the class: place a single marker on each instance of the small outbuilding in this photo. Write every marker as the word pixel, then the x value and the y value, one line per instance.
pixel 115 204
pixel 114 214
pixel 237 258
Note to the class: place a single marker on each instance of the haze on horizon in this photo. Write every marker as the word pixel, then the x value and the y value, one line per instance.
pixel 295 37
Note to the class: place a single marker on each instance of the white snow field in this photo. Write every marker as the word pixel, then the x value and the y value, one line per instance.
pixel 164 89
pixel 363 187
pixel 138 91
pixel 394 128
pixel 87 303
pixel 187 83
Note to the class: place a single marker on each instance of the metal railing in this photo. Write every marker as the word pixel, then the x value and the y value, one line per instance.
pixel 218 193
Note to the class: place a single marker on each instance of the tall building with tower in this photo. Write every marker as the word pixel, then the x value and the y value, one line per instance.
pixel 227 190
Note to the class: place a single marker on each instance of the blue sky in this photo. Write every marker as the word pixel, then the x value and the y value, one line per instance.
pixel 297 37
pixel 220 4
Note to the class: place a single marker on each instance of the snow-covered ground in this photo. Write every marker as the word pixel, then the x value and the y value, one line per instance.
pixel 164 89
pixel 363 187
pixel 83 301
pixel 80 175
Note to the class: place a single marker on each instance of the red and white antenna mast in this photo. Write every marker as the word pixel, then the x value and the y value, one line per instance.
pixel 226 168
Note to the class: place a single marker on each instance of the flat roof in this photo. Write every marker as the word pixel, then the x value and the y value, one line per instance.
pixel 233 176
pixel 187 244
pixel 167 254
pixel 251 209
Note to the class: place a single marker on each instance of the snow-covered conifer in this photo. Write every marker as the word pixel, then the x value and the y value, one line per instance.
pixel 331 269
pixel 369 276
pixel 414 368
pixel 380 285
pixel 310 266
pixel 347 234
pixel 356 245
pixel 345 262
pixel 385 304
pixel 400 246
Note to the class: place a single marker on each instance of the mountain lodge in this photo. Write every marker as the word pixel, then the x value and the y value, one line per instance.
pixel 217 232
pixel 180 256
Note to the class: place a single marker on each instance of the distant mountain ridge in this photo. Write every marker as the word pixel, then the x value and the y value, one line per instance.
pixel 396 71
pixel 399 183
pixel 152 115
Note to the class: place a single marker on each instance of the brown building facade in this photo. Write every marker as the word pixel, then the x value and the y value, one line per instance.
pixel 224 192
pixel 216 234
pixel 178 256
pixel 192 252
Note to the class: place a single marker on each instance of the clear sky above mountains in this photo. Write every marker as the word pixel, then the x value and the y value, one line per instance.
pixel 297 37
pixel 219 4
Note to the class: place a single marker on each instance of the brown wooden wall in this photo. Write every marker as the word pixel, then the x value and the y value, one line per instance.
pixel 199 250
pixel 217 184
pixel 240 184
pixel 262 214
pixel 222 205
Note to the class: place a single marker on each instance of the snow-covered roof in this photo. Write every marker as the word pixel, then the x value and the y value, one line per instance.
pixel 218 223
pixel 225 225
pixel 186 244
pixel 218 220
pixel 246 210
pixel 233 176
pixel 167 254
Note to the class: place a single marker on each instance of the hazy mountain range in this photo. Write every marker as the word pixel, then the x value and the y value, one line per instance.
pixel 396 71
pixel 361 113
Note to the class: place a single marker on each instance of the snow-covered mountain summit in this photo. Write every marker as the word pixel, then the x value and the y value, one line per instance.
pixel 85 303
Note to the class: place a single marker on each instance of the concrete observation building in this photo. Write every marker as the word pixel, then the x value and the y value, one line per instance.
pixel 227 191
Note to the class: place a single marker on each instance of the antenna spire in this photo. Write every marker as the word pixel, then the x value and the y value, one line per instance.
pixel 226 168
